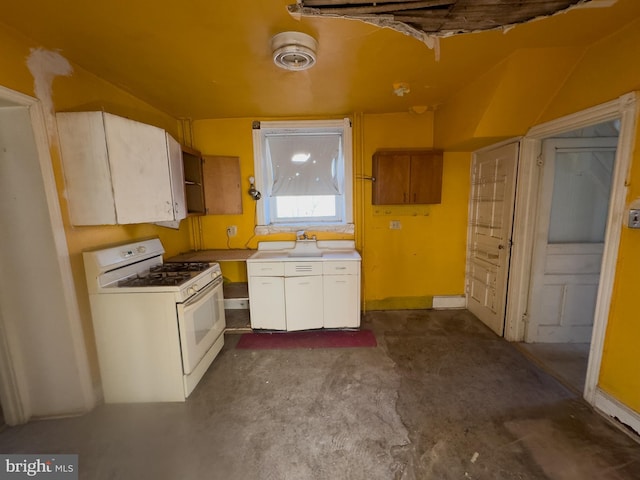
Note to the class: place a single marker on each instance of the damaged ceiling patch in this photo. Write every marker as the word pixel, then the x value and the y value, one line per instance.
pixel 428 20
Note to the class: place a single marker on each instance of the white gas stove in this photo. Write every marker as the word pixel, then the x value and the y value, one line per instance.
pixel 158 326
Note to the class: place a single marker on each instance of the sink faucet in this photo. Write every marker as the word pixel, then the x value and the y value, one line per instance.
pixel 302 235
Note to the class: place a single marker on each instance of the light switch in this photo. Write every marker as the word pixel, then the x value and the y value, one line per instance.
pixel 395 225
pixel 634 218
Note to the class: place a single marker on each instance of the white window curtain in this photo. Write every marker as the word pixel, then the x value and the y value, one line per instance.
pixel 305 165
pixel 309 158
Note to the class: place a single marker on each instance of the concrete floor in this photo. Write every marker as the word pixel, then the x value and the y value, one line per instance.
pixel 441 397
pixel 566 361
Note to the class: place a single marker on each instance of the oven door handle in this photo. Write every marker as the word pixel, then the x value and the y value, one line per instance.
pixel 200 295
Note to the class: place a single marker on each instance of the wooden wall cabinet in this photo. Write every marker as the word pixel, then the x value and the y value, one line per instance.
pixel 407 177
pixel 193 181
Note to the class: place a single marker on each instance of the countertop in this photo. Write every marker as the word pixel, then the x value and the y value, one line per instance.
pixel 323 250
pixel 233 255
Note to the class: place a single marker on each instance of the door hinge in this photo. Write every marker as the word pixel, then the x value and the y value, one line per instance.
pixel 540 160
pixel 525 317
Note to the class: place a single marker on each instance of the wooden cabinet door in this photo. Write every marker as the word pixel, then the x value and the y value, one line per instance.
pixel 391 171
pixel 426 178
pixel 222 185
pixel 407 177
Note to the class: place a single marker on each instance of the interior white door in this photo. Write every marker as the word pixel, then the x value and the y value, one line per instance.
pixel 493 179
pixel 573 204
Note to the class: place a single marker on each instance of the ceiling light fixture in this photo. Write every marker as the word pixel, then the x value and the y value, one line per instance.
pixel 400 89
pixel 294 50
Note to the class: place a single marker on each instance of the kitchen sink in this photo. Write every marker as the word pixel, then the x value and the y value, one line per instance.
pixel 303 254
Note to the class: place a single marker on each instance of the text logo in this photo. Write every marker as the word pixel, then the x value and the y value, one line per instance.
pixel 51 467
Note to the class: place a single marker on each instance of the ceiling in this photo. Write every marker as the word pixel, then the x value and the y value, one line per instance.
pixel 212 58
pixel 436 17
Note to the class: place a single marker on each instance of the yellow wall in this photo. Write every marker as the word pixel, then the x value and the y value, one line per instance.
pixel 405 268
pixel 499 105
pixel 432 238
pixel 84 91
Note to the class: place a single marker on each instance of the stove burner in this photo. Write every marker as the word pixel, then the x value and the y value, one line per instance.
pixel 173 273
pixel 181 267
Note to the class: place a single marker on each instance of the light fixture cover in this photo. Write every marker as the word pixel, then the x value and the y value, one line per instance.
pixel 294 50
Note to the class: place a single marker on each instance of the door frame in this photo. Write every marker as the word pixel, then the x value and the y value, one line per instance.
pixel 14 390
pixel 623 108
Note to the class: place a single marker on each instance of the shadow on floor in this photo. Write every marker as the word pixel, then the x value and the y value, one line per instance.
pixel 440 397
pixel 566 361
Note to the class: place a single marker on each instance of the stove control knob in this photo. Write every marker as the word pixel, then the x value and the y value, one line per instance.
pixel 191 291
pixel 141 249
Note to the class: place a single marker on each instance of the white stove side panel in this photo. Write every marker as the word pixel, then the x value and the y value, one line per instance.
pixel 138 347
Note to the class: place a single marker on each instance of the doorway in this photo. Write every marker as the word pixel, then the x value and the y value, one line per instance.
pixel 44 368
pixel 612 117
pixel 574 193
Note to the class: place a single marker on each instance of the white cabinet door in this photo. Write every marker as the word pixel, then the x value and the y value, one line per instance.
pixel 139 171
pixel 304 302
pixel 86 168
pixel 119 171
pixel 176 177
pixel 266 303
pixel 341 301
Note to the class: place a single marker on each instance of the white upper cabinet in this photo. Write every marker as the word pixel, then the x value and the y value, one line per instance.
pixel 119 171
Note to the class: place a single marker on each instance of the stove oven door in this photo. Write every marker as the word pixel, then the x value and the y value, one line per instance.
pixel 201 322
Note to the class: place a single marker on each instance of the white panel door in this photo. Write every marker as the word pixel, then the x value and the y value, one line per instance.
pixel 492 202
pixel 572 213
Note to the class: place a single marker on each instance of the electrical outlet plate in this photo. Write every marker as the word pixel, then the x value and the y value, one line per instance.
pixel 232 230
pixel 395 225
pixel 634 218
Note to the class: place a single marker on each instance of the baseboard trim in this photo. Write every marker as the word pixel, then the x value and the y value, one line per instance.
pixel 449 302
pixel 618 412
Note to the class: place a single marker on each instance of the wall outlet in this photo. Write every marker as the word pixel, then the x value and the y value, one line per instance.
pixel 395 225
pixel 232 230
pixel 634 218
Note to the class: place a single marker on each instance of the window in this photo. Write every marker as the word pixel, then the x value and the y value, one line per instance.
pixel 304 172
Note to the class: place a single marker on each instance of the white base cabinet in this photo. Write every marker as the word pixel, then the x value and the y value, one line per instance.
pixel 297 295
pixel 267 303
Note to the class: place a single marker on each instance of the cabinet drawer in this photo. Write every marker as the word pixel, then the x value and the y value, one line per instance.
pixel 296 269
pixel 341 268
pixel 265 269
